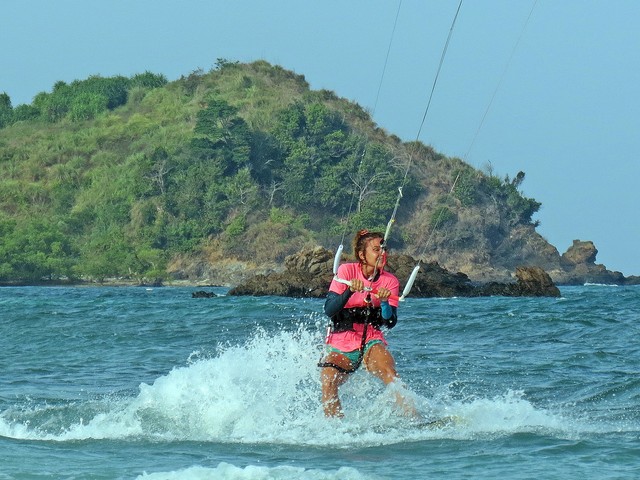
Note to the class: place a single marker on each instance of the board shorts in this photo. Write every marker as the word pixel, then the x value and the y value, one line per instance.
pixel 354 355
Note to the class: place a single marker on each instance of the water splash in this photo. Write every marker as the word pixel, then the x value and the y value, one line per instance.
pixel 267 390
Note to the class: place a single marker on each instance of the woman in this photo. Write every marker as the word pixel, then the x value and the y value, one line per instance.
pixel 370 300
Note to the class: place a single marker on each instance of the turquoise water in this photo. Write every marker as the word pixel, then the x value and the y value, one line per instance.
pixel 126 383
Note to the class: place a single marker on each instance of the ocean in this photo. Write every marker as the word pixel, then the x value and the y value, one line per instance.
pixel 150 383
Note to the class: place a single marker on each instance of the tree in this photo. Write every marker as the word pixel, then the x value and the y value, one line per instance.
pixel 54 106
pixel 241 189
pixel 25 112
pixel 221 135
pixel 160 169
pixel 87 105
pixel 114 89
pixel 290 125
pixel 6 111
pixel 35 249
pixel 106 253
pixel 298 176
pixel 148 80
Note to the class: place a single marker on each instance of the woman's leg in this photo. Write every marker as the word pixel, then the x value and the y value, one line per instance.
pixel 380 362
pixel 331 379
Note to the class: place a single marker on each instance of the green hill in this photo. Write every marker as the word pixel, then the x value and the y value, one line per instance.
pixel 127 177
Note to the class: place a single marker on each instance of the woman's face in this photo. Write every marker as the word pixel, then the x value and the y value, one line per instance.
pixel 372 252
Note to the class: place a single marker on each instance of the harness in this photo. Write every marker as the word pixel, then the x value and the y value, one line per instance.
pixel 344 321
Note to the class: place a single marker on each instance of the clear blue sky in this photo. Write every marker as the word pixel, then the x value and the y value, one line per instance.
pixel 564 76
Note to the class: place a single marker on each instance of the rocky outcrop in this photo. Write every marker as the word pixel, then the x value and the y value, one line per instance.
pixel 309 273
pixel 218 271
pixel 532 282
pixel 581 252
pixel 203 294
pixel 578 266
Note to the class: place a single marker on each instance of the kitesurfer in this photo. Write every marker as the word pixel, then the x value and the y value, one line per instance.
pixel 362 298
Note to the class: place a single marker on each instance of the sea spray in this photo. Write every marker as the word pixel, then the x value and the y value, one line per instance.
pixel 267 390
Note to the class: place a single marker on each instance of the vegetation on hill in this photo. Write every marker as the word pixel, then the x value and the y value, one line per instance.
pixel 118 177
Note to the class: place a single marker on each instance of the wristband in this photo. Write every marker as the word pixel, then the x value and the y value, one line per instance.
pixel 386 310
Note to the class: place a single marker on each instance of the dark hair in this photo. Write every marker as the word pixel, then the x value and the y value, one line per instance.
pixel 361 239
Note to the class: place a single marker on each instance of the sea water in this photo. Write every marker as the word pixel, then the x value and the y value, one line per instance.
pixel 134 382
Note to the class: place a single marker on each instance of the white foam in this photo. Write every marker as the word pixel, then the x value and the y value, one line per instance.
pixel 268 391
pixel 227 471
pixel 508 413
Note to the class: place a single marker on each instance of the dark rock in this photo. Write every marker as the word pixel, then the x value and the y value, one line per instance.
pixel 203 294
pixel 532 282
pixel 432 280
pixel 309 273
pixel 632 280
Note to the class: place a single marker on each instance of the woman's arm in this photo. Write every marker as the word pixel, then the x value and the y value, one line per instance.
pixel 336 302
pixel 389 314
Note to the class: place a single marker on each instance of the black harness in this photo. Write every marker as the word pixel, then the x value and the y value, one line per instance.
pixel 344 320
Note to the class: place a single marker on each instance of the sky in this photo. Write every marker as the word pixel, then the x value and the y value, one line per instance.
pixel 547 87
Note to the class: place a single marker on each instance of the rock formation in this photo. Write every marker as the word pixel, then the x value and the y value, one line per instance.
pixel 578 266
pixel 309 273
pixel 203 294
